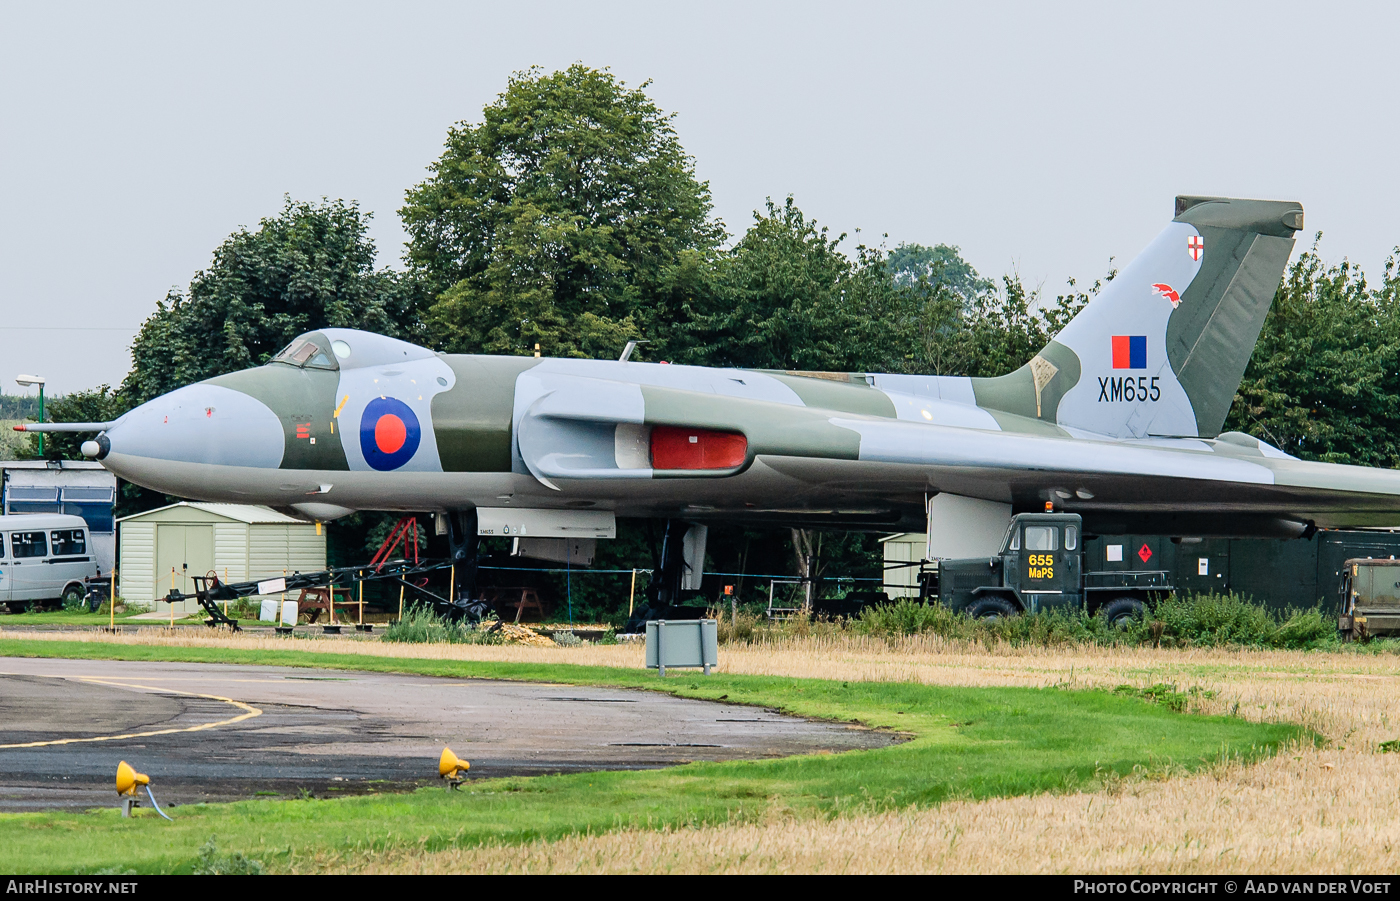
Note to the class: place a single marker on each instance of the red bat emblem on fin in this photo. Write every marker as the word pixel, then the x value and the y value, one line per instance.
pixel 1169 293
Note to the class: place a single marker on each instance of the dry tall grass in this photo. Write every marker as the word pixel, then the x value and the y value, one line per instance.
pixel 1327 810
pixel 1287 815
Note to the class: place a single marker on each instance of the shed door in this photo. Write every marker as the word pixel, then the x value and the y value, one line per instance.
pixel 188 550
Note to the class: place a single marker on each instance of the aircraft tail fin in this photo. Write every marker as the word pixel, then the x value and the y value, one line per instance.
pixel 1161 350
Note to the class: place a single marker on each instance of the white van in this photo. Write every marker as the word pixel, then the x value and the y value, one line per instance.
pixel 43 557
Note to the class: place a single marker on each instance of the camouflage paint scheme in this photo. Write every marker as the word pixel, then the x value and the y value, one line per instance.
pixel 1117 419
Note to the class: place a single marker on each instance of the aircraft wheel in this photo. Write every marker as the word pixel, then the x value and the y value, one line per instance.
pixel 991 608
pixel 1119 612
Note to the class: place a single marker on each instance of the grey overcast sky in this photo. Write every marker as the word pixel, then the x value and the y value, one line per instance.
pixel 1041 137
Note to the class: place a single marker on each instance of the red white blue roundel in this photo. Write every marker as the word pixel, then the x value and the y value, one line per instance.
pixel 389 433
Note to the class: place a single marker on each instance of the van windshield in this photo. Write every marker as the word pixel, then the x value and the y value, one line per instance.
pixel 29 544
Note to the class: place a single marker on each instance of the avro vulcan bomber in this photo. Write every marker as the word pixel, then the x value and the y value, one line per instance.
pixel 1118 419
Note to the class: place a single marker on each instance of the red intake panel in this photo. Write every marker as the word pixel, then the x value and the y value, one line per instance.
pixel 673 447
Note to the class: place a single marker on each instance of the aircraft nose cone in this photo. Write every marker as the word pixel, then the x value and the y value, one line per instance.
pixel 199 424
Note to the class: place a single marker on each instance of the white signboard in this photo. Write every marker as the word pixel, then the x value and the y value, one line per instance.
pixel 1113 553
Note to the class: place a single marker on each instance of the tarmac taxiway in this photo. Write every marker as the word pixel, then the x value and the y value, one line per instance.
pixel 214 732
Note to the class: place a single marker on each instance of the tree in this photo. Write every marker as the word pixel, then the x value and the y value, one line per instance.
pixel 569 216
pixel 788 298
pixel 941 264
pixel 310 267
pixel 1324 380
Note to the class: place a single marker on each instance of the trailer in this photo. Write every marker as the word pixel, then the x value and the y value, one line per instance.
pixel 1046 561
pixel 1370 598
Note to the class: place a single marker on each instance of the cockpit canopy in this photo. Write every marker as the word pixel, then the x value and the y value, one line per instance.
pixel 346 348
pixel 309 351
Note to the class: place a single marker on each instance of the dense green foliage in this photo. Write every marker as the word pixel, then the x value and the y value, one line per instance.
pixel 311 266
pixel 965 742
pixel 19 406
pixel 939 265
pixel 420 625
pixel 788 298
pixel 1202 620
pixel 569 217
pixel 1324 380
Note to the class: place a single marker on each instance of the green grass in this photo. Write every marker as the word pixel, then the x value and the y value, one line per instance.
pixel 65 618
pixel 964 743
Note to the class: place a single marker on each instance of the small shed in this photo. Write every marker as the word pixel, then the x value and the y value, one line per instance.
pixel 903 552
pixel 167 545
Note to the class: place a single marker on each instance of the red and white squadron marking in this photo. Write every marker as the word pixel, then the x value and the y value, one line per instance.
pixel 1169 293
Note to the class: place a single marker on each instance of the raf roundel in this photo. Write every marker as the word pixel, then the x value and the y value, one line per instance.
pixel 389 433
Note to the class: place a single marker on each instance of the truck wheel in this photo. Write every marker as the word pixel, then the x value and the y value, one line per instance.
pixel 991 608
pixel 1119 612
pixel 74 595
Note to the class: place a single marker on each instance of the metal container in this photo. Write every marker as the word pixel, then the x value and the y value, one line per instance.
pixel 1370 598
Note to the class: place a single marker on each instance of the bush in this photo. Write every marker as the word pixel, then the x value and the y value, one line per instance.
pixel 422 626
pixel 1210 620
pixel 909 617
pixel 1181 621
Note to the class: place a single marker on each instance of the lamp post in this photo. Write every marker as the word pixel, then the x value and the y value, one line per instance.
pixel 26 381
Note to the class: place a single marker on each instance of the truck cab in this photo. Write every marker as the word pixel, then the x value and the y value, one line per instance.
pixel 1041 567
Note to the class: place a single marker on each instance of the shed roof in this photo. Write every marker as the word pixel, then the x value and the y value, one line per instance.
pixel 237 512
pixel 51 464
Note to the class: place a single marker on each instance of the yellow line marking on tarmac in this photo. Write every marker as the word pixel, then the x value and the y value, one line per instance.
pixel 249 712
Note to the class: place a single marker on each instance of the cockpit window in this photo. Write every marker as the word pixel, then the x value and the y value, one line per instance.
pixel 306 353
pixel 297 353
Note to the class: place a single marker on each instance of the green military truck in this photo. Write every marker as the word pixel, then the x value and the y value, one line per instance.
pixel 1370 598
pixel 1047 561
pixel 1042 567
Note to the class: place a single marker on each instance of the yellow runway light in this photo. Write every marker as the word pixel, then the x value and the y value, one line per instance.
pixel 451 768
pixel 128 780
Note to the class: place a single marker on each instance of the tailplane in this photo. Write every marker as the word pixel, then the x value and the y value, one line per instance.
pixel 1161 350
